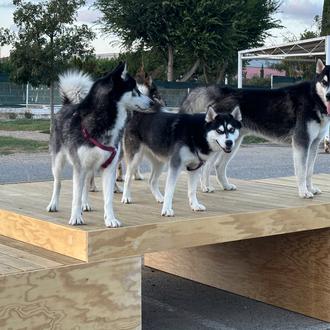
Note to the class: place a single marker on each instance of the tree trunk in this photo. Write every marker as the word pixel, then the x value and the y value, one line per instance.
pixel 205 74
pixel 221 73
pixel 52 113
pixel 170 61
pixel 191 71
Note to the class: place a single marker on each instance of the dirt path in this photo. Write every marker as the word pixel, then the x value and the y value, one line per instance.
pixel 31 135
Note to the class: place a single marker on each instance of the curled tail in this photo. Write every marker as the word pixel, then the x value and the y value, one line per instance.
pixel 74 86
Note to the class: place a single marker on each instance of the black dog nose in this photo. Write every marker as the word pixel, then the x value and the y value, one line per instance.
pixel 327 96
pixel 152 103
pixel 229 143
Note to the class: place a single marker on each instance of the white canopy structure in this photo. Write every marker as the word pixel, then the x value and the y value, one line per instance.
pixel 308 49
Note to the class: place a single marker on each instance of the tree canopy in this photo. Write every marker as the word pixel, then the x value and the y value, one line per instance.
pixel 46 40
pixel 206 33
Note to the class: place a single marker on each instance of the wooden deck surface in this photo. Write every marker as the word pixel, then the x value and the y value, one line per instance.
pixel 259 208
pixel 18 257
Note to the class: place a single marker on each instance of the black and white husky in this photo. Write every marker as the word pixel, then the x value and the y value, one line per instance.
pixel 88 135
pixel 184 141
pixel 298 114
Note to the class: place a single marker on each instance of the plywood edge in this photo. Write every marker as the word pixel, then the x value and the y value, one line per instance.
pixel 68 241
pixel 138 240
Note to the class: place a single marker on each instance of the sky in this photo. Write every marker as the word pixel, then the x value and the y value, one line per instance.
pixel 295 16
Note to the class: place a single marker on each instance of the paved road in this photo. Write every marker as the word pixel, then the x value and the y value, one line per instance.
pixel 171 303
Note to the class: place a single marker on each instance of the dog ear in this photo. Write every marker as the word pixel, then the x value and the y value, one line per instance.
pixel 210 114
pixel 319 66
pixel 236 113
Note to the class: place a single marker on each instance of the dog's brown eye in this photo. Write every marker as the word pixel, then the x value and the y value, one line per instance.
pixel 232 130
pixel 324 82
pixel 219 131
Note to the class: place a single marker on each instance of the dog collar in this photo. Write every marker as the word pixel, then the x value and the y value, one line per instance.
pixel 112 150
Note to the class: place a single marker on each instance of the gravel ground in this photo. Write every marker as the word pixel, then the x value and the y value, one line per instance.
pixel 172 303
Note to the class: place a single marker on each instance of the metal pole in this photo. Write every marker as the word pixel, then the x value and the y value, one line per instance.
pixel 239 71
pixel 27 97
pixel 327 50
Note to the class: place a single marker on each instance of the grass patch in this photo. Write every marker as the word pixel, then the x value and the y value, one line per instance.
pixel 253 139
pixel 40 125
pixel 10 145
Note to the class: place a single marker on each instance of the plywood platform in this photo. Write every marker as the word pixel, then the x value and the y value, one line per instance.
pixel 259 208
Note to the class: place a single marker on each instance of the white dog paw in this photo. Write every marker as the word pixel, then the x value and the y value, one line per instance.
pixel 229 186
pixel 126 200
pixel 138 177
pixel 306 194
pixel 198 207
pixel 118 189
pixel 76 220
pixel 207 189
pixel 167 212
pixel 112 222
pixel 52 207
pixel 159 198
pixel 86 207
pixel 315 191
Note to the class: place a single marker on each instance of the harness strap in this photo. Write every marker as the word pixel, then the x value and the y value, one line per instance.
pixel 200 164
pixel 112 150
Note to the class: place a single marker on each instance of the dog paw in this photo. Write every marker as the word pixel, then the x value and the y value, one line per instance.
pixel 207 189
pixel 52 207
pixel 229 187
pixel 138 177
pixel 93 189
pixel 306 194
pixel 159 198
pixel 167 212
pixel 315 190
pixel 198 207
pixel 118 189
pixel 119 179
pixel 86 207
pixel 76 220
pixel 126 200
pixel 112 222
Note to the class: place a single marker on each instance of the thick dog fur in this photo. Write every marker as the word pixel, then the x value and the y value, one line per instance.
pixel 184 141
pixel 298 114
pixel 103 113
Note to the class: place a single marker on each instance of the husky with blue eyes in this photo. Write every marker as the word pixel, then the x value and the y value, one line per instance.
pixel 184 141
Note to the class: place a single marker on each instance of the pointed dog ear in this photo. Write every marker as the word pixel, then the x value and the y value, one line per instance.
pixel 319 66
pixel 124 72
pixel 236 113
pixel 210 114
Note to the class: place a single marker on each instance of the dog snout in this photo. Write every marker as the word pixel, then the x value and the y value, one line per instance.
pixel 229 143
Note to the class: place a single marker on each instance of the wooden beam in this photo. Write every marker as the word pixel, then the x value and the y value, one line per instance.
pixel 290 271
pixel 102 295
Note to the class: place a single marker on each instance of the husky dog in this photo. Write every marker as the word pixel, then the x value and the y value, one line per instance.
pixel 184 141
pixel 88 135
pixel 298 114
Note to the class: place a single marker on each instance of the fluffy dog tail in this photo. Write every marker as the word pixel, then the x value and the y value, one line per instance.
pixel 74 86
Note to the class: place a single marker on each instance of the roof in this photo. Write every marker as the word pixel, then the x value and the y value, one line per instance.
pixel 309 48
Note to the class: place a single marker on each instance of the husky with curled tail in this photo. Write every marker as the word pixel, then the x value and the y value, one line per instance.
pixel 87 134
pixel 297 114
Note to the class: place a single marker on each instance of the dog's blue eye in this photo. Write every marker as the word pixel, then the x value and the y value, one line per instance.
pixel 219 131
pixel 324 82
pixel 232 130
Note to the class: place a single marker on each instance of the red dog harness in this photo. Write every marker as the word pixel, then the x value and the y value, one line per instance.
pixel 112 150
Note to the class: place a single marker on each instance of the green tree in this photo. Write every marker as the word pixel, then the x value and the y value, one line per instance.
pixel 206 33
pixel 47 39
pixel 325 27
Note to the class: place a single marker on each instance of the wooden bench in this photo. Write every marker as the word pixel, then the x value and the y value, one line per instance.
pixel 261 241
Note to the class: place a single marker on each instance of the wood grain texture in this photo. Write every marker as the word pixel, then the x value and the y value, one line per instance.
pixel 16 257
pixel 290 271
pixel 103 295
pixel 257 209
pixel 48 235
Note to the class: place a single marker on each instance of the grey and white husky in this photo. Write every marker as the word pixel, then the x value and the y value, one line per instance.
pixel 298 114
pixel 184 141
pixel 88 135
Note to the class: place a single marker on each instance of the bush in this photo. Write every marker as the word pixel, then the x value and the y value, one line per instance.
pixel 28 115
